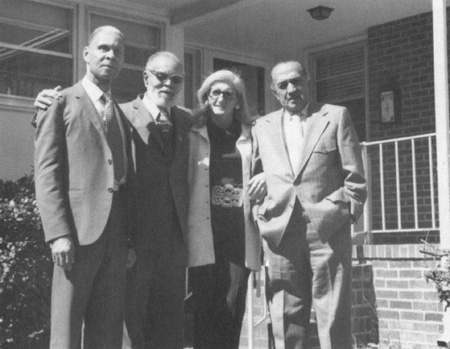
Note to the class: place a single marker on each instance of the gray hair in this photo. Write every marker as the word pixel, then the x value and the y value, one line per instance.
pixel 234 80
pixel 102 29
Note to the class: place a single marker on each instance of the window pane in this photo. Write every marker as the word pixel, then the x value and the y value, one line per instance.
pixel 128 85
pixel 34 25
pixel 25 73
pixel 253 77
pixel 137 55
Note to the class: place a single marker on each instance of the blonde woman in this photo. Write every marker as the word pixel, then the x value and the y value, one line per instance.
pixel 223 243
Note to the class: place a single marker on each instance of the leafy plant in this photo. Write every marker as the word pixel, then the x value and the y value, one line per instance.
pixel 25 269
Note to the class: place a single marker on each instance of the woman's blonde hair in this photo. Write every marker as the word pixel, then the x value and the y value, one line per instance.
pixel 242 114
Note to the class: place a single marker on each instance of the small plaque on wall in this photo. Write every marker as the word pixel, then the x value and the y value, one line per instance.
pixel 390 105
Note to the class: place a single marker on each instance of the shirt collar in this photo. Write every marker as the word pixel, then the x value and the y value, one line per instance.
pixel 303 114
pixel 93 91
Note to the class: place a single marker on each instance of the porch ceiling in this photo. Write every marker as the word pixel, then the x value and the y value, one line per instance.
pixel 281 29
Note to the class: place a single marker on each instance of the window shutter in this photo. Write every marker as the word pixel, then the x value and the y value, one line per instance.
pixel 340 74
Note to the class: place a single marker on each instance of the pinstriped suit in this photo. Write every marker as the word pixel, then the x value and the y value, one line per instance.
pixel 305 222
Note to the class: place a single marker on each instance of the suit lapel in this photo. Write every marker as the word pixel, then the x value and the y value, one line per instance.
pixel 87 108
pixel 152 128
pixel 317 125
pixel 138 124
pixel 276 134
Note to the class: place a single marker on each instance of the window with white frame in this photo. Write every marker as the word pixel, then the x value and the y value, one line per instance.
pixel 35 47
pixel 338 77
pixel 141 41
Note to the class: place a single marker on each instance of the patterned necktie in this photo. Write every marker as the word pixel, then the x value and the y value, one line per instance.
pixel 163 123
pixel 114 137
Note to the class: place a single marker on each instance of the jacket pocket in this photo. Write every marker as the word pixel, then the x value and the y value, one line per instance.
pixel 326 146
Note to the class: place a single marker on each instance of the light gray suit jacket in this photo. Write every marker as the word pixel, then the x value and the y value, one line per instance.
pixel 329 182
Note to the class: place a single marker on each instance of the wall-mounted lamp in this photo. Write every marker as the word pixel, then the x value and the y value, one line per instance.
pixel 320 12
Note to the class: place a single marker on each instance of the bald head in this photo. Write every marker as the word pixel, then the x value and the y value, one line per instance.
pixel 166 57
pixel 105 29
pixel 289 66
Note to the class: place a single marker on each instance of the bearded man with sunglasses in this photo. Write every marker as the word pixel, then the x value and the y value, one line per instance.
pixel 155 312
pixel 311 158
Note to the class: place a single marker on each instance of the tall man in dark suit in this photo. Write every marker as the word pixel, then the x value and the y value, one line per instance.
pixel 160 135
pixel 156 283
pixel 311 156
pixel 82 170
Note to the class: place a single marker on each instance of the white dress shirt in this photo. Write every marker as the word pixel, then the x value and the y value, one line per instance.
pixel 95 94
pixel 295 128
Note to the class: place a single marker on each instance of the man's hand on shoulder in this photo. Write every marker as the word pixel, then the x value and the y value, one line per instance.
pixel 45 98
pixel 63 252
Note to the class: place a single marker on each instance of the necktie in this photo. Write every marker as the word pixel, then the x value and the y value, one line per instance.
pixel 164 124
pixel 114 137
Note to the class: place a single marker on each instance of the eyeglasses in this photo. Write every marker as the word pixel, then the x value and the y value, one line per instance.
pixel 163 77
pixel 227 95
pixel 295 81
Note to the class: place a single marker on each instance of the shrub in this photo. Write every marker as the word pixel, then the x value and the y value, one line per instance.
pixel 25 269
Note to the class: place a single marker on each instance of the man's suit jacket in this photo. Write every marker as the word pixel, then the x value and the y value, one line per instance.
pixel 74 173
pixel 179 165
pixel 329 182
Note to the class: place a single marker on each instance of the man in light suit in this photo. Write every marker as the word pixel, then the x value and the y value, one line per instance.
pixel 83 170
pixel 311 156
pixel 155 309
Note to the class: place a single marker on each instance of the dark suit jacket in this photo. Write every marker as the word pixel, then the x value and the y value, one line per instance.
pixel 178 167
pixel 73 168
pixel 329 182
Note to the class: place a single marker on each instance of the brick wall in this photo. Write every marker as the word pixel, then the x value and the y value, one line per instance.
pixel 400 56
pixel 392 304
pixel 400 53
pixel 407 312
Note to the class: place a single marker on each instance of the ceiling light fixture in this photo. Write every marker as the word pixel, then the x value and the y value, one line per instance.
pixel 320 12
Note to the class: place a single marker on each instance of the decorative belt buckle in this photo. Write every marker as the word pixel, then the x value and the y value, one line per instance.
pixel 227 195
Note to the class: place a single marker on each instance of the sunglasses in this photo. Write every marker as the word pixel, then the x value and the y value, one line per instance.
pixel 163 77
pixel 295 81
pixel 227 95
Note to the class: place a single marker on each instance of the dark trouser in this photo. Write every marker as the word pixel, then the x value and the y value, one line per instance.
pixel 93 291
pixel 303 271
pixel 219 292
pixel 155 300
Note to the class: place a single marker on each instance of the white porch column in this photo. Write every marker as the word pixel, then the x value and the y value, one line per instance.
pixel 175 44
pixel 442 117
pixel 442 135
